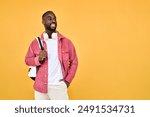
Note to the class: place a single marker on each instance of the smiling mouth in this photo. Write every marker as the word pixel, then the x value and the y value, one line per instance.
pixel 53 26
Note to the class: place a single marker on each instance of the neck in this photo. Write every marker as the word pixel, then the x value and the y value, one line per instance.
pixel 49 33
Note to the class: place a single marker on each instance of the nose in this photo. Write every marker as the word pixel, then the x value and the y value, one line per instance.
pixel 53 21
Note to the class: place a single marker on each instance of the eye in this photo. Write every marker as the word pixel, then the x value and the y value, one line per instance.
pixel 54 18
pixel 49 18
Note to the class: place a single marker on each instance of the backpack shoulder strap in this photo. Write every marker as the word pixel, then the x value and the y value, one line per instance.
pixel 40 43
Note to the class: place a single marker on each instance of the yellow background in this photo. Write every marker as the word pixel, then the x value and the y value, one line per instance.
pixel 112 40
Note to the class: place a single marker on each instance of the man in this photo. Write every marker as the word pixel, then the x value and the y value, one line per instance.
pixel 57 62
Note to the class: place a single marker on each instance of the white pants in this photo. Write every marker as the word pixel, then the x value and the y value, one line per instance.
pixel 55 92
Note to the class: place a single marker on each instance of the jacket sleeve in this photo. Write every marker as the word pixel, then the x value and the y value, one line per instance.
pixel 73 63
pixel 31 59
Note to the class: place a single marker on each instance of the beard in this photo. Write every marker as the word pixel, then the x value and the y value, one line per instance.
pixel 52 30
pixel 51 27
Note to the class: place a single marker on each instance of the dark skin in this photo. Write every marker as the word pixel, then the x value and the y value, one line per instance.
pixel 50 24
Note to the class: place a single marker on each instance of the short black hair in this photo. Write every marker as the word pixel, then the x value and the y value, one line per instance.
pixel 47 12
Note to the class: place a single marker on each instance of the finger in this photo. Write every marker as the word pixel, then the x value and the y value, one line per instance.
pixel 43 58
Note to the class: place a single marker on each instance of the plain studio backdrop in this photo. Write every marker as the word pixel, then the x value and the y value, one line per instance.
pixel 112 40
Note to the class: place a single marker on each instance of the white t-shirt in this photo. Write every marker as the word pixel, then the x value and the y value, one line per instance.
pixel 54 67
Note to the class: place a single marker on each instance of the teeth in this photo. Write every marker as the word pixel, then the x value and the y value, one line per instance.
pixel 52 25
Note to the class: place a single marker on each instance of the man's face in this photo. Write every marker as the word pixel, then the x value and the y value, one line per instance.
pixel 49 21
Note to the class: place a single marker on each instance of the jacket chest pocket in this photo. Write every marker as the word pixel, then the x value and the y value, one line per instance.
pixel 65 55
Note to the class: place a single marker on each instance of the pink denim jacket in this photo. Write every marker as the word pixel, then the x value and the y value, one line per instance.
pixel 67 56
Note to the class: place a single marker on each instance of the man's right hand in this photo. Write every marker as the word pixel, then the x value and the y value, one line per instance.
pixel 42 56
